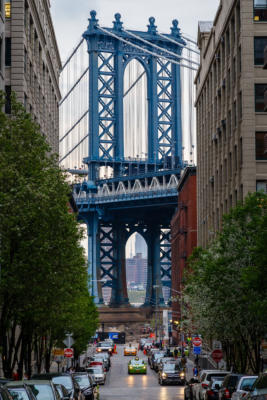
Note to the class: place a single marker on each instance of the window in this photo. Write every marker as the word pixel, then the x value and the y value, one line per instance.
pixel 235 116
pixel 7 9
pixel 260 10
pixel 259 45
pixel 8 100
pixel 240 105
pixel 8 52
pixel 261 186
pixel 261 145
pixel 259 96
pixel 1 46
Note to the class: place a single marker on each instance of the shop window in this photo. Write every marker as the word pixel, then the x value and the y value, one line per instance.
pixel 261 145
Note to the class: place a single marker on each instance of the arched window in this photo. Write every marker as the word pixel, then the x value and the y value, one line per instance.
pixel 135 111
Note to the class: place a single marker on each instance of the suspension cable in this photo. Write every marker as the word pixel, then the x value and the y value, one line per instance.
pixel 159 48
pixel 189 40
pixel 178 44
pixel 144 50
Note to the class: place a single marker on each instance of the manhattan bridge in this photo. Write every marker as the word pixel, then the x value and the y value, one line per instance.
pixel 127 126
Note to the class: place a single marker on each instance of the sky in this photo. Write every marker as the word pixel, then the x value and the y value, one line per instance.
pixel 70 17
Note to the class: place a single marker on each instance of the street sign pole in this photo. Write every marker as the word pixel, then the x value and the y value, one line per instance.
pixel 68 342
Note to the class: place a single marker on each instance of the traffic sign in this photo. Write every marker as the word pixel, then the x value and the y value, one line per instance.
pixel 58 352
pixel 68 353
pixel 197 349
pixel 197 341
pixel 217 355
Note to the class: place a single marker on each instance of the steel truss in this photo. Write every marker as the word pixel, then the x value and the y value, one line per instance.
pixel 141 195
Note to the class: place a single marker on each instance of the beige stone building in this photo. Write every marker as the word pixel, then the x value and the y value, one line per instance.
pixel 231 121
pixel 2 44
pixel 32 62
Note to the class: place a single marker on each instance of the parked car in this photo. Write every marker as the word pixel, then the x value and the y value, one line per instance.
pixel 65 380
pixel 244 386
pixel 43 389
pixel 259 389
pixel 229 386
pixel 3 380
pixel 188 393
pixel 171 372
pixel 20 391
pixel 212 392
pixel 86 385
pixel 62 391
pixel 98 374
pixel 4 394
pixel 102 357
pixel 204 380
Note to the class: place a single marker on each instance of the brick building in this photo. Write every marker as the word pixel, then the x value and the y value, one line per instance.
pixel 184 238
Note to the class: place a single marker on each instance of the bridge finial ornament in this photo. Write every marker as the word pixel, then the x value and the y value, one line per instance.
pixel 176 31
pixel 93 21
pixel 117 24
pixel 152 28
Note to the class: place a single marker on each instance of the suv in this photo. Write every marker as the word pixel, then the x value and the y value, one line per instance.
pixel 259 388
pixel 205 378
pixel 171 373
pixel 229 386
pixel 244 386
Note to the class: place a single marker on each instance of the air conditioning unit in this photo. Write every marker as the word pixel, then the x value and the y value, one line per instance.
pixel 211 179
pixel 214 137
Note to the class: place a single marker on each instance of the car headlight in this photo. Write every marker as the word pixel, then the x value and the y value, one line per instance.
pixel 164 375
pixel 109 349
pixel 182 374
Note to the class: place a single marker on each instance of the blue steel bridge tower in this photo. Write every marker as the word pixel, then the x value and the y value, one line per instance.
pixel 141 193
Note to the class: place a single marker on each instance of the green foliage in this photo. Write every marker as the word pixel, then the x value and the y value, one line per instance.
pixel 227 284
pixel 44 283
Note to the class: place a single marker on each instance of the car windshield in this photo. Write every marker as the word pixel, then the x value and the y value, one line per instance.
pixel 170 367
pixel 216 382
pixel 19 394
pixel 104 344
pixel 247 382
pixel 82 380
pixel 158 355
pixel 137 362
pixel 216 377
pixel 63 380
pixel 42 392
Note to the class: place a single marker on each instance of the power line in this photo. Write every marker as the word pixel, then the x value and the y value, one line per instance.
pixel 178 44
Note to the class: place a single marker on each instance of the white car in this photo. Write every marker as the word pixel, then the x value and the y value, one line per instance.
pixel 206 376
pixel 243 387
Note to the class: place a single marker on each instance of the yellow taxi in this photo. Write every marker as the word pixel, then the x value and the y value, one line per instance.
pixel 130 351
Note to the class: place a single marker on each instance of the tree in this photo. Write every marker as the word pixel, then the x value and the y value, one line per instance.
pixel 43 274
pixel 228 283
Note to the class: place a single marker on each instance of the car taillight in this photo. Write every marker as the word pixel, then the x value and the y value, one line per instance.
pixel 210 392
pixel 204 385
pixel 227 393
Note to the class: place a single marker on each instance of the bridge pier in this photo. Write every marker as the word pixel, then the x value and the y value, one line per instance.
pixel 154 295
pixel 119 296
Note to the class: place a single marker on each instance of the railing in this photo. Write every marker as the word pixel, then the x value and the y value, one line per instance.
pixel 93 199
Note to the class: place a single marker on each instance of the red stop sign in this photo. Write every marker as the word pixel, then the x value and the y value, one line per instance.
pixel 69 353
pixel 217 355
pixel 197 341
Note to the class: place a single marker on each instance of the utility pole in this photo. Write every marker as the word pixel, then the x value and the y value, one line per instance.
pixel 156 311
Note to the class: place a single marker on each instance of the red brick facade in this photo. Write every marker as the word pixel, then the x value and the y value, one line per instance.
pixel 184 237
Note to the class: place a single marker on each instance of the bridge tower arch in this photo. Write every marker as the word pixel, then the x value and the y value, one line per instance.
pixel 141 194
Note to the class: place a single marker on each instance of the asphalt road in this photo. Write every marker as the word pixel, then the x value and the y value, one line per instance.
pixel 119 385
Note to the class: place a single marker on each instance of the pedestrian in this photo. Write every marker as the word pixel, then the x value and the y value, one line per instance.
pixel 15 375
pixel 175 352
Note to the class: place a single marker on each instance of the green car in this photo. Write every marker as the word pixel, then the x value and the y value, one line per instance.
pixel 136 366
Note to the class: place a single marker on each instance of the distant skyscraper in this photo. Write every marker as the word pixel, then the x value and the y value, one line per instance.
pixel 140 245
pixel 136 270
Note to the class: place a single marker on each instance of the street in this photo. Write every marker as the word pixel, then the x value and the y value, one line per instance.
pixel 120 385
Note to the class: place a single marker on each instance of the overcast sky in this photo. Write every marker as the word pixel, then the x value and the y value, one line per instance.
pixel 70 16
